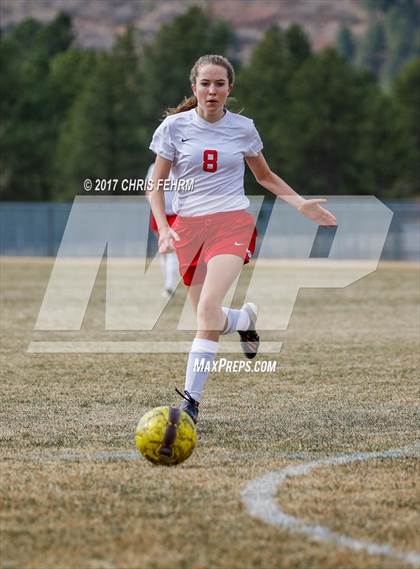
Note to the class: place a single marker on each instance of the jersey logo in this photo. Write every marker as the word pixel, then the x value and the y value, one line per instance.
pixel 185 139
pixel 237 244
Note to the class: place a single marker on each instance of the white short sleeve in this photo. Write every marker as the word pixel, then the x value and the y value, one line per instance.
pixel 255 144
pixel 162 142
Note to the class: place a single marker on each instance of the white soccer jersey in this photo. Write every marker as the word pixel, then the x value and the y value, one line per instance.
pixel 212 154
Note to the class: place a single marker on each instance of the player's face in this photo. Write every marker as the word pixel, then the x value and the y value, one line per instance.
pixel 211 89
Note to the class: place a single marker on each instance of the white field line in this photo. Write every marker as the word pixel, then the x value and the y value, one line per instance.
pixel 259 497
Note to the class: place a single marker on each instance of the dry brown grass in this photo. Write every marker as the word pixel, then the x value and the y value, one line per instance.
pixel 346 381
pixel 377 500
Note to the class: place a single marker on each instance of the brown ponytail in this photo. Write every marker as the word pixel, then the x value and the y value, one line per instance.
pixel 186 105
pixel 191 102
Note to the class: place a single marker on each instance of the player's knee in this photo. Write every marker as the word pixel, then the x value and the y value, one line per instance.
pixel 208 309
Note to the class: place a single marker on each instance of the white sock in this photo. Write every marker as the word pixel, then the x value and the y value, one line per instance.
pixel 202 354
pixel 162 262
pixel 236 320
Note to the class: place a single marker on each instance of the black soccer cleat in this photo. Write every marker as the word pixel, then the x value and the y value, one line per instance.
pixel 250 341
pixel 189 405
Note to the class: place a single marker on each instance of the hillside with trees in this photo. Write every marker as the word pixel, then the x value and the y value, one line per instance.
pixel 70 112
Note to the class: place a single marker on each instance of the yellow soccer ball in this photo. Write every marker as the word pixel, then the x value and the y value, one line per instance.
pixel 166 435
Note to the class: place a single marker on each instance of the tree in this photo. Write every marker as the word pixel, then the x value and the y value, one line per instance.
pixel 402 38
pixel 392 38
pixel 11 87
pixel 28 133
pixel 386 5
pixel 22 37
pixel 86 137
pixel 406 94
pixel 133 137
pixel 346 44
pixel 372 51
pixel 168 60
pixel 103 135
pixel 53 38
pixel 263 90
pixel 383 148
pixel 69 71
pixel 325 127
pixel 298 45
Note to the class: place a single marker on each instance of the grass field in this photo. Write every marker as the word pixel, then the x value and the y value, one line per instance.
pixel 75 495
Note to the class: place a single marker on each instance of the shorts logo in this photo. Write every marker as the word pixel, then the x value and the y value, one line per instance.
pixel 237 244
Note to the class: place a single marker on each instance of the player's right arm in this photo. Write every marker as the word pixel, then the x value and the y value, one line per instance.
pixel 157 202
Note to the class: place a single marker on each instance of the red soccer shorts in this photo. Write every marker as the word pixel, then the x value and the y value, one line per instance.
pixel 153 224
pixel 205 236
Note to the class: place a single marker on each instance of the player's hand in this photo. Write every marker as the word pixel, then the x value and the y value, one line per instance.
pixel 167 236
pixel 314 211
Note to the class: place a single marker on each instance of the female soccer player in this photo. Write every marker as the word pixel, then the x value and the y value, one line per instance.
pixel 213 234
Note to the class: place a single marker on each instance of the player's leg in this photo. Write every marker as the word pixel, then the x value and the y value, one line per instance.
pixel 194 292
pixel 168 261
pixel 190 405
pixel 213 318
pixel 162 262
pixel 222 271
pixel 171 272
pixel 235 319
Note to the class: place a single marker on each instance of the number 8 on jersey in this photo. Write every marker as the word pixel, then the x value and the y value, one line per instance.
pixel 210 160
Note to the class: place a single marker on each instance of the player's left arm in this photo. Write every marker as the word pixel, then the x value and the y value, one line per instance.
pixel 274 184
